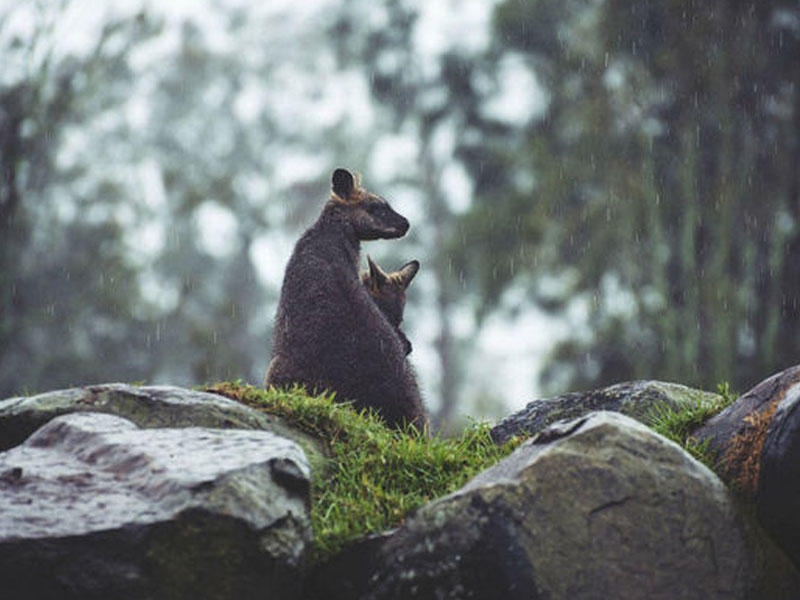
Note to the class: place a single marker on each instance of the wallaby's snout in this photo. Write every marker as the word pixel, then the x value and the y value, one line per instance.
pixel 387 223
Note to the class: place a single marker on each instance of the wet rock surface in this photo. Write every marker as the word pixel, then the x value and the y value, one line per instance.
pixel 778 490
pixel 602 508
pixel 189 499
pixel 91 506
pixel 146 406
pixel 635 399
pixel 751 411
pixel 756 445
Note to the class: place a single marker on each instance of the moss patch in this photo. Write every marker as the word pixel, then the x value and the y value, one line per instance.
pixel 374 476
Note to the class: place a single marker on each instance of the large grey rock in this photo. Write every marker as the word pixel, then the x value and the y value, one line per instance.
pixel 146 406
pixel 636 399
pixel 91 506
pixel 601 507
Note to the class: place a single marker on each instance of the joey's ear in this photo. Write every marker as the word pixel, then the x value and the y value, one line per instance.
pixel 408 271
pixel 376 274
pixel 343 183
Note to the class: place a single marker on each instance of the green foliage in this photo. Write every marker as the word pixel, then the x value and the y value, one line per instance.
pixel 375 476
pixel 64 275
pixel 639 187
pixel 728 395
pixel 677 424
pixel 102 208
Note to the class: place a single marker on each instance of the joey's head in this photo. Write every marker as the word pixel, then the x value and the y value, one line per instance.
pixel 369 215
pixel 388 290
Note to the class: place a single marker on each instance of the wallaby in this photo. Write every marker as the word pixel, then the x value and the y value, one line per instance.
pixel 388 291
pixel 329 333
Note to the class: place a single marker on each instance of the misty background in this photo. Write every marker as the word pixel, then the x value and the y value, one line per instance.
pixel 599 190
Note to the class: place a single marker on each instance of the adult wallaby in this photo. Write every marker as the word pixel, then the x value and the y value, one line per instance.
pixel 388 291
pixel 329 333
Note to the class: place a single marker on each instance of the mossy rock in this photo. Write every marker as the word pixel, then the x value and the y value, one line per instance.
pixel 148 407
pixel 635 399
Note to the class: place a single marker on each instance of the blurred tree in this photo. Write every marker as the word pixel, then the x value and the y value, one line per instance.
pixel 141 176
pixel 201 153
pixel 64 282
pixel 659 188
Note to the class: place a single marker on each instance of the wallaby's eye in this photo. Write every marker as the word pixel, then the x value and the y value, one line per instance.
pixel 379 209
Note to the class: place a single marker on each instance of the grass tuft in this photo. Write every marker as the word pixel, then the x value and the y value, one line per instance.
pixel 375 475
pixel 677 424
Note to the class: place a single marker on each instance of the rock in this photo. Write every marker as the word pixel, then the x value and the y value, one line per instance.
pixel 600 508
pixel 778 488
pixel 736 436
pixel 146 406
pixel 346 575
pixel 91 506
pixel 635 399
pixel 756 444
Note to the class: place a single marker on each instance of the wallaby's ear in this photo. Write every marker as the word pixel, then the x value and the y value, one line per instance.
pixel 376 274
pixel 408 271
pixel 343 183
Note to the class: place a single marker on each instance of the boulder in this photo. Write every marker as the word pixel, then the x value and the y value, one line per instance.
pixel 636 399
pixel 756 445
pixel 778 489
pixel 92 506
pixel 736 436
pixel 146 406
pixel 600 507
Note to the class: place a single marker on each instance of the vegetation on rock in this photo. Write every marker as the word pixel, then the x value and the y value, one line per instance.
pixel 678 422
pixel 375 476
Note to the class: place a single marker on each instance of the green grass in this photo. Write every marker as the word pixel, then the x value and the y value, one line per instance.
pixel 374 476
pixel 677 424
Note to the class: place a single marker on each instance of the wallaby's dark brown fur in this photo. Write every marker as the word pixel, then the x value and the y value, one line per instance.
pixel 329 333
pixel 388 291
